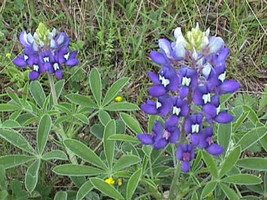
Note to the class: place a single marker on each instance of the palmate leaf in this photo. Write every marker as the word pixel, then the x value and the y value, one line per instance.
pixel 77 170
pixel 259 164
pixel 84 190
pixel 59 87
pixel 106 189
pixel 8 107
pixel 31 177
pixel 114 90
pixel 133 183
pixel 17 140
pixel 230 161
pixel 209 187
pixel 61 195
pixel 125 162
pixel 252 136
pixel 210 164
pixel 43 132
pixel 55 155
pixel 109 145
pixel 38 93
pixel 84 152
pixel 121 106
pixel 82 100
pixel 131 123
pixel 242 179
pixel 229 192
pixel 9 161
pixel 96 85
pixel 104 117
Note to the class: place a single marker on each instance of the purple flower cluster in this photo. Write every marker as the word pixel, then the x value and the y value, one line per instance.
pixel 46 54
pixel 187 92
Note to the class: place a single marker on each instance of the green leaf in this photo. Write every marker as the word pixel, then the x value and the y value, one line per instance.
pixel 106 189
pixel 209 188
pixel 109 145
pixel 77 170
pixel 8 107
pixel 84 190
pixel 84 152
pixel 3 195
pixel 114 90
pixel 194 196
pixel 263 142
pixel 251 137
pixel 97 130
pixel 210 164
pixel 10 161
pixel 17 140
pixel 38 93
pixel 12 94
pixel 43 132
pixel 11 124
pixel 59 87
pixel 104 117
pixel 2 178
pixel 125 138
pixel 230 193
pixel 240 120
pixel 263 103
pixel 242 179
pixel 61 195
pixel 55 155
pixel 122 106
pixel 96 85
pixel 259 164
pixel 31 177
pixel 230 161
pixel 133 183
pixel 224 135
pixel 131 122
pixel 252 115
pixel 126 161
pixel 81 100
pixel 82 118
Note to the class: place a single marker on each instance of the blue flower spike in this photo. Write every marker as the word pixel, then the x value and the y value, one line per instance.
pixel 187 93
pixel 45 51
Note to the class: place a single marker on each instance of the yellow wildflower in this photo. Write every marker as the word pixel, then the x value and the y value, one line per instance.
pixel 120 182
pixel 110 181
pixel 118 99
pixel 8 55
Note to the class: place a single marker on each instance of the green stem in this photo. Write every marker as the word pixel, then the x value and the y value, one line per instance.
pixel 60 131
pixel 175 181
pixel 53 89
pixel 150 168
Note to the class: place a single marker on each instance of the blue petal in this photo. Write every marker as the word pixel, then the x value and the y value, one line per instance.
pixel 215 150
pixel 145 139
pixel 186 167
pixel 158 58
pixel 229 86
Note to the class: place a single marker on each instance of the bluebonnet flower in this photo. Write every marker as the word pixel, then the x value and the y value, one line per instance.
pixel 212 111
pixel 188 79
pixel 161 135
pixel 166 81
pixel 193 124
pixel 193 75
pixel 185 153
pixel 204 140
pixel 162 107
pixel 45 52
pixel 180 108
